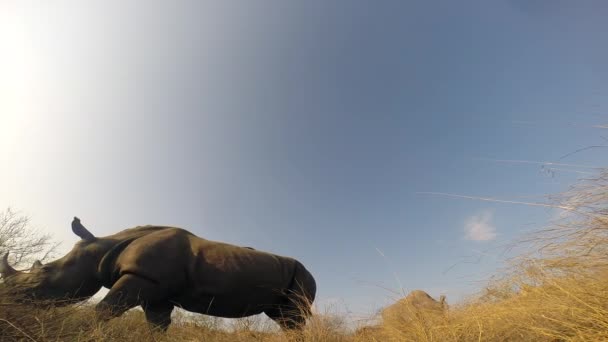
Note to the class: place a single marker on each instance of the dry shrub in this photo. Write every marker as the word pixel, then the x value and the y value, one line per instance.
pixel 24 242
pixel 326 326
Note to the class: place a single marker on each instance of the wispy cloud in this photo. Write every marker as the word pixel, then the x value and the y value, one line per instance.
pixel 479 227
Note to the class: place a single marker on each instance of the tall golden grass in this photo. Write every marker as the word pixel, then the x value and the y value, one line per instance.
pixel 558 291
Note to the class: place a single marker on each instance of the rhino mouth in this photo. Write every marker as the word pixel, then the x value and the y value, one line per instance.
pixel 28 288
pixel 42 298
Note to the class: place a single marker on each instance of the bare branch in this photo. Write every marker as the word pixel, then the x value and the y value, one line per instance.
pixel 24 242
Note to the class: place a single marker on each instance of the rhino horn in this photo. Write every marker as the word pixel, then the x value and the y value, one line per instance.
pixel 81 231
pixel 36 265
pixel 6 269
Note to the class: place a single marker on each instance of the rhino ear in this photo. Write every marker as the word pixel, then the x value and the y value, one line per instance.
pixel 36 265
pixel 81 231
pixel 6 269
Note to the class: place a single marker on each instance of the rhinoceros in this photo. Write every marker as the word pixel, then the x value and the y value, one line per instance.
pixel 159 268
pixel 415 302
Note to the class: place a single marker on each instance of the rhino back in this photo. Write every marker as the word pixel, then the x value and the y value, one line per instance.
pixel 177 259
pixel 218 268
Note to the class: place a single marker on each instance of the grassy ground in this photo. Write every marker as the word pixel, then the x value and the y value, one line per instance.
pixel 558 292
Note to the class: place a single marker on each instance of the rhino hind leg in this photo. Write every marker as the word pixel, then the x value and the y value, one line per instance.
pixel 292 313
pixel 288 318
pixel 159 315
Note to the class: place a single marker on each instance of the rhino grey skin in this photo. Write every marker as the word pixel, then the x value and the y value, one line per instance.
pixel 163 267
pixel 415 301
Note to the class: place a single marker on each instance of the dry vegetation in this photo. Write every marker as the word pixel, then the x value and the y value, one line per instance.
pixel 23 241
pixel 18 323
pixel 558 292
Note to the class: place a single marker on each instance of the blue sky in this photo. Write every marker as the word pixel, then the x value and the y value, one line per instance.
pixel 306 129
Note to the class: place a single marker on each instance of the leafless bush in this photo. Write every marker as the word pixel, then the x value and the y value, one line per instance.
pixel 24 242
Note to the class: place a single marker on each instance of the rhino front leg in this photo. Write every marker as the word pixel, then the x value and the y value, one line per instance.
pixel 128 292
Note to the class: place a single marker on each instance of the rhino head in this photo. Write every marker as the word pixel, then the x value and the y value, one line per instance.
pixel 69 279
pixel 414 303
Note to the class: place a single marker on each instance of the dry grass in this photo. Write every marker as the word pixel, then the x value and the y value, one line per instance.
pixel 558 292
pixel 20 322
